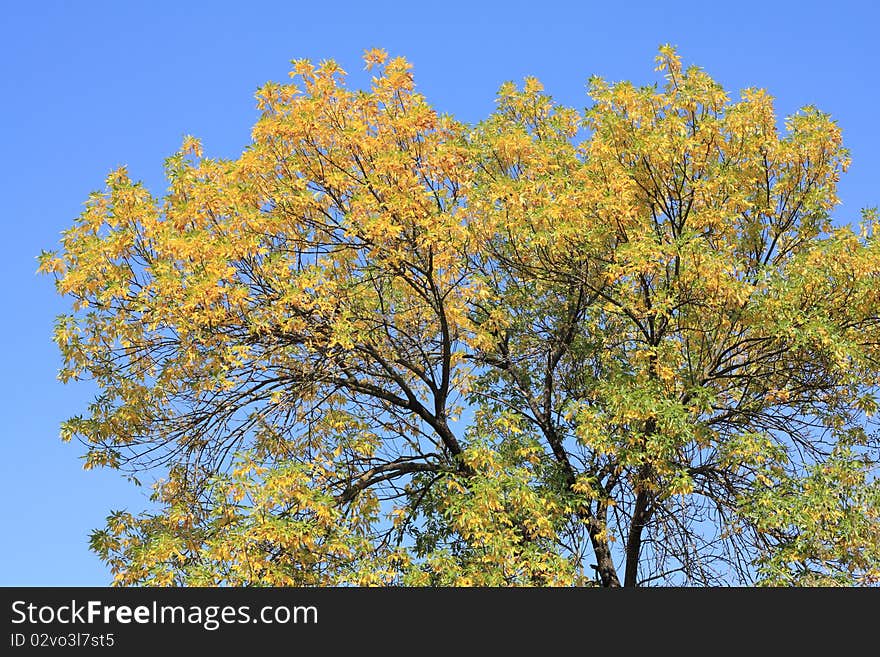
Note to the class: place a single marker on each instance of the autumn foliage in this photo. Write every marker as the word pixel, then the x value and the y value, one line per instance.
pixel 626 345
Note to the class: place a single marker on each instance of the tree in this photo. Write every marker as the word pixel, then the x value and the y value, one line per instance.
pixel 623 346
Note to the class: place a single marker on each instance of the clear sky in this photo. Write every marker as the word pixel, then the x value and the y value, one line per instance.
pixel 87 86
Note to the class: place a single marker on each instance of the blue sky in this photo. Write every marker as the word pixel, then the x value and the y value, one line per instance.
pixel 87 86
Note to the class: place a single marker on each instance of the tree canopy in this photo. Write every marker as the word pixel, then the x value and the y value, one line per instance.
pixel 629 345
